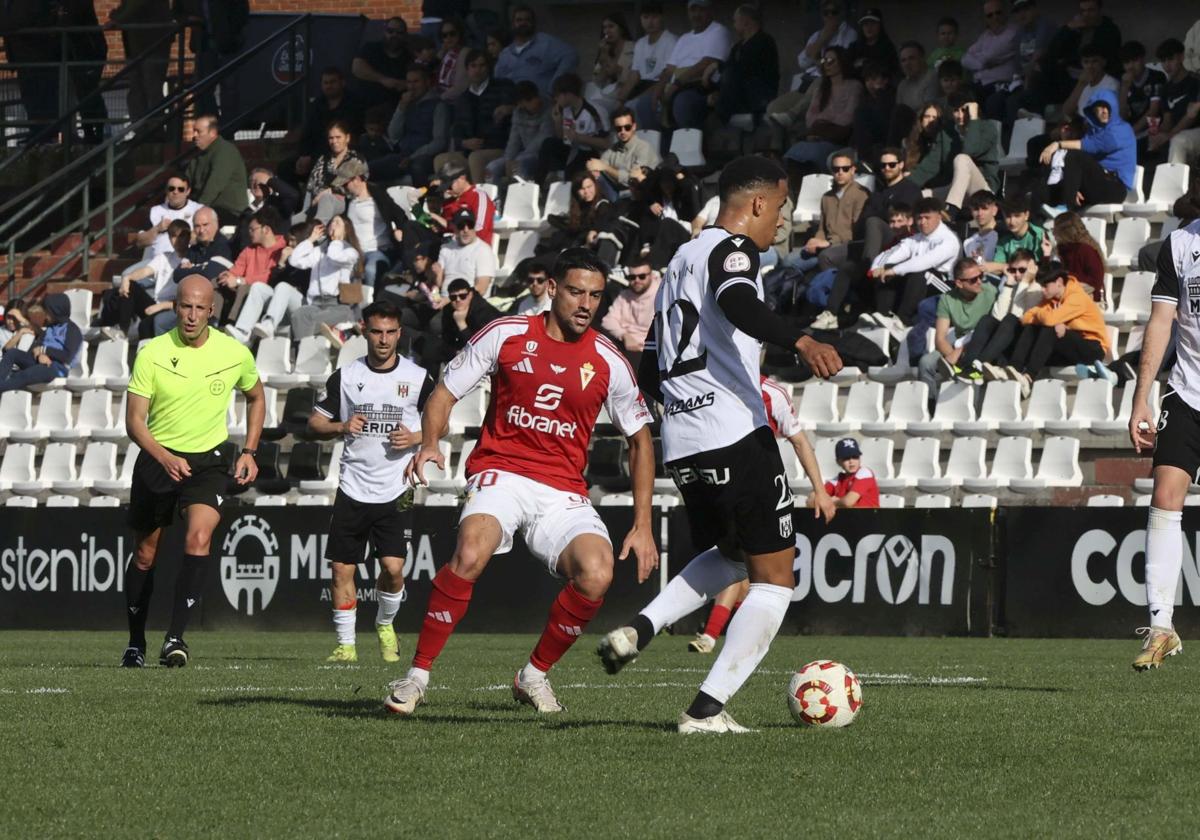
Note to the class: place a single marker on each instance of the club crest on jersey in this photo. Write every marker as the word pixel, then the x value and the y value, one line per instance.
pixel 586 372
pixel 557 368
pixel 737 261
pixel 402 389
pixel 785 525
pixel 531 348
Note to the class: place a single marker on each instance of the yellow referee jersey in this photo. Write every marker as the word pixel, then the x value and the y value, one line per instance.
pixel 189 388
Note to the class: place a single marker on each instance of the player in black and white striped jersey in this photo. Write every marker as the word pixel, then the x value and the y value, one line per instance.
pixel 374 404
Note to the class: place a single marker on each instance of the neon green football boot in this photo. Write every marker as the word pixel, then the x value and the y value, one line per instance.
pixel 343 653
pixel 389 647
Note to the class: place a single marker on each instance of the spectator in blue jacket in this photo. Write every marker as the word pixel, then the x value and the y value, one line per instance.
pixel 1098 168
pixel 532 55
pixel 53 354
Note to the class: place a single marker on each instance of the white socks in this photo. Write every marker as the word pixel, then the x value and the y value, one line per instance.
pixel 420 676
pixel 700 581
pixel 389 605
pixel 747 639
pixel 343 624
pixel 1164 560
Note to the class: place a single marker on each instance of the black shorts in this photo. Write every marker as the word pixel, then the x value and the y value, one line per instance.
pixel 1178 441
pixel 354 522
pixel 154 498
pixel 739 491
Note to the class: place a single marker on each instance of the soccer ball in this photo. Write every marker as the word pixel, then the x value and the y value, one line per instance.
pixel 824 693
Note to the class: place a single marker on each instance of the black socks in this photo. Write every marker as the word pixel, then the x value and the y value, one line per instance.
pixel 188 586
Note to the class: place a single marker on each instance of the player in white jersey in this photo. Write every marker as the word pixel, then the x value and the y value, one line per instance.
pixel 1176 441
pixel 374 404
pixel 717 442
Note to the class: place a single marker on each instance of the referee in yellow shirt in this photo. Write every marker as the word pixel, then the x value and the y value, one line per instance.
pixel 179 394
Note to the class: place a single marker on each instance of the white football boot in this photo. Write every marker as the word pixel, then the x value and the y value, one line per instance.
pixel 718 723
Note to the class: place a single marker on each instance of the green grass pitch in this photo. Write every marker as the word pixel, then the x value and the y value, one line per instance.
pixel 258 737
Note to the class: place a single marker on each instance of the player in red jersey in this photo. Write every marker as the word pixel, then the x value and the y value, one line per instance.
pixel 551 374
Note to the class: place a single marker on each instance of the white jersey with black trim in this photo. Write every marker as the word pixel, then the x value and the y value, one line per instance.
pixel 708 367
pixel 371 470
pixel 1178 283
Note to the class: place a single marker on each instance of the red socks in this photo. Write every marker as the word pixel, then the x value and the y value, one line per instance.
pixel 447 605
pixel 717 619
pixel 569 614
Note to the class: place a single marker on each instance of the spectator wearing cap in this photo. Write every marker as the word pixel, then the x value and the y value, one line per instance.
pixel 465 314
pixel 532 125
pixel 625 158
pixel 531 273
pixel 380 66
pixel 466 256
pixel 418 132
pixel 378 222
pixel 992 59
pixel 1061 66
pixel 463 195
pixel 678 96
pixel 580 130
pixel 482 118
pixel 873 45
pixel 54 354
pixel 629 318
pixel 855 485
pixel 532 55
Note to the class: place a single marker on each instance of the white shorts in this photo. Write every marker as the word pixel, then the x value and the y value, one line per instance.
pixel 548 518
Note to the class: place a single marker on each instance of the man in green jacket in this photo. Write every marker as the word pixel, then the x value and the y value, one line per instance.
pixel 218 173
pixel 967 156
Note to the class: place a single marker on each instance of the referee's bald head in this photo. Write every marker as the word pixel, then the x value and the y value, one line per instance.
pixel 196 285
pixel 193 305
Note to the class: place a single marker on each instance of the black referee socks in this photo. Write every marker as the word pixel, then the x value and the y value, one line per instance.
pixel 188 586
pixel 139 586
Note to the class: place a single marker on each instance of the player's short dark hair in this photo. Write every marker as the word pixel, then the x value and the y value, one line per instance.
pixel 269 217
pixel 624 111
pixel 1169 49
pixel 962 264
pixel 1016 203
pixel 927 204
pixel 177 227
pixel 459 284
pixel 179 176
pixel 525 91
pixel 578 259
pixel 300 231
pixel 950 69
pixel 1022 254
pixel 748 172
pixel 474 54
pixel 894 151
pixel 567 83
pixel 912 45
pixel 947 21
pixel 1133 50
pixel 900 208
pixel 981 198
pixel 381 309
pixel 874 70
pixel 1055 273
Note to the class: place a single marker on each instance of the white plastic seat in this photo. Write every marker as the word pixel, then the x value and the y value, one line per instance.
pixel 445 500
pixel 1047 402
pixel 890 500
pixel 920 460
pixel 797 480
pixel 1144 500
pixel 968 459
pixel 979 500
pixel 900 370
pixel 58 465
pixel 1023 130
pixel 312 364
pixel 84 376
pixel 955 404
pixel 864 404
pixel 16 413
pixel 1098 228
pixel 99 463
pixel 1134 305
pixel 17 465
pixel 53 415
pixel 104 502
pixel 21 502
pixel 124 480
pixel 62 501
pixel 616 500
pixel 1093 404
pixel 520 205
pixel 1058 467
pixel 273 359
pixel 235 417
pixel 468 412
pixel 520 245
pixel 115 432
pixel 808 201
pixel 1120 424
pixel 270 501
pixel 826 452
pixel 329 483
pixel 1169 226
pixel 1001 401
pixel 81 307
pixel 877 455
pixel 95 412
pixel 314 500
pixel 1106 500
pixel 1170 182
pixel 1013 459
pixel 1131 235
pixel 1133 196
pixel 558 200
pixel 455 480
pixel 112 365
pixel 910 404
pixel 354 348
pixel 931 500
pixel 687 145
pixel 818 405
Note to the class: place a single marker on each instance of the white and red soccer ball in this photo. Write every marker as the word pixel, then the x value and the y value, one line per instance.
pixel 824 693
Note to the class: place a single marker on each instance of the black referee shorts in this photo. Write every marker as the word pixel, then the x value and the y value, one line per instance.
pixel 1177 443
pixel 739 491
pixel 353 523
pixel 155 499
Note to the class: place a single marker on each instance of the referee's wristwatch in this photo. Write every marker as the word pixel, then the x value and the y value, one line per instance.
pixel 253 453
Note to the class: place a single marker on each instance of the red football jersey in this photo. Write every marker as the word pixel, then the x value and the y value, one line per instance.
pixel 862 483
pixel 546 395
pixel 481 206
pixel 781 414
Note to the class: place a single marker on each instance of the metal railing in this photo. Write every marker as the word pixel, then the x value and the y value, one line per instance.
pixel 69 190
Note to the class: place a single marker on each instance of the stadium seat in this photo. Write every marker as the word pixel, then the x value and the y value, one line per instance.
pixel 1058 467
pixel 686 144
pixel 95 412
pixel 1110 212
pixel 58 464
pixel 1047 401
pixel 1120 424
pixel 616 500
pixel 955 404
pixel 116 431
pixel 313 500
pixel 354 348
pixel 898 371
pixel 825 449
pixel 270 478
pixel 17 465
pixel 910 404
pixel 468 412
pixel 818 405
pixel 979 500
pixel 16 413
pixel 520 245
pixel 103 502
pixel 21 502
pixel 1170 182
pixel 653 137
pixel 1134 305
pixel 1169 226
pixel 606 465
pixel 273 359
pixel 919 460
pixel 304 462
pixel 1131 235
pixel 808 201
pixel 558 201
pixel 931 500
pixel 81 307
pixel 849 374
pixel 520 205
pixel 877 456
pixel 1093 404
pixel 864 404
pixel 99 464
pixel 123 481
pixel 53 415
pixel 1023 131
pixel 58 501
pixel 328 483
pixel 440 500
pixel 797 480
pixel 235 417
pixel 890 500
pixel 1106 500
pixel 1098 228
pixel 968 459
pixel 270 501
pixel 1011 460
pixel 457 482
pixel 297 408
pixel 312 365
pixel 1001 401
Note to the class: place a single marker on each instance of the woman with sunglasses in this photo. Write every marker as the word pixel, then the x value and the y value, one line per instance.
pixel 829 120
pixel 452 71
